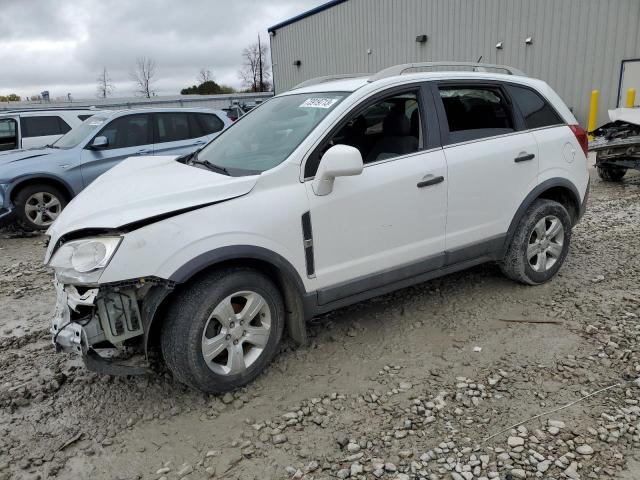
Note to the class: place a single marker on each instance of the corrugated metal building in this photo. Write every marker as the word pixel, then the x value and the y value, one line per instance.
pixel 575 45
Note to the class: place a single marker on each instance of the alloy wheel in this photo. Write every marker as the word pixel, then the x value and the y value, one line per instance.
pixel 236 333
pixel 545 243
pixel 42 208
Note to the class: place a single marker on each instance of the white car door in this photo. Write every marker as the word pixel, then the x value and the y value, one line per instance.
pixel 492 165
pixel 388 223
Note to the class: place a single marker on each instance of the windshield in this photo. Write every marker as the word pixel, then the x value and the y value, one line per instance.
pixel 76 135
pixel 265 137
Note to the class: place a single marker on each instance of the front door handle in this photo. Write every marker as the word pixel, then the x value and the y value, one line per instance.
pixel 144 151
pixel 524 157
pixel 431 181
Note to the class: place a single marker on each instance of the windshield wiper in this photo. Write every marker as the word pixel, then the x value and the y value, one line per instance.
pixel 217 168
pixel 194 160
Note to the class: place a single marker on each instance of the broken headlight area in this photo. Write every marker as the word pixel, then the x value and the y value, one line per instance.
pixel 101 323
pixel 82 261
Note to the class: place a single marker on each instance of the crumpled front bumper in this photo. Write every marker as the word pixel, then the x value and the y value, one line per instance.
pixel 73 336
pixel 86 319
pixel 7 211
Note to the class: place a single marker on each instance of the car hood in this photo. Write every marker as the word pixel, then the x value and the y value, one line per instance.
pixel 12 156
pixel 141 188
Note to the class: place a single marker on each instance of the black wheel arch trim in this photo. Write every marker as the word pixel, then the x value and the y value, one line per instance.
pixel 302 302
pixel 237 252
pixel 17 182
pixel 535 194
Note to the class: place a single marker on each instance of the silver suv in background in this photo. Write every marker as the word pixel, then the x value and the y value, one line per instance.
pixel 33 128
pixel 36 184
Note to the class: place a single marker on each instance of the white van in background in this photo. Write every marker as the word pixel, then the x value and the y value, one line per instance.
pixel 33 128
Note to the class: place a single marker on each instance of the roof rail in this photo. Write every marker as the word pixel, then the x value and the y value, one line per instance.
pixel 45 109
pixel 444 66
pixel 328 78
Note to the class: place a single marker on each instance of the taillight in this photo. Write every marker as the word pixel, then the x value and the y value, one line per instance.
pixel 581 136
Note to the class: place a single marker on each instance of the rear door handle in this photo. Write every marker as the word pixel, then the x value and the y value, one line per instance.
pixel 524 158
pixel 431 181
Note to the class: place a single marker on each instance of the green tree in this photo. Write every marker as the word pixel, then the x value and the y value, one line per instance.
pixel 208 87
pixel 12 97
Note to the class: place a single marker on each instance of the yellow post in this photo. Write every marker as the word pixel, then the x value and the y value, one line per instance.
pixel 593 112
pixel 631 98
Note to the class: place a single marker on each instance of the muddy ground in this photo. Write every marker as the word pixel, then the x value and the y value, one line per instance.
pixel 408 385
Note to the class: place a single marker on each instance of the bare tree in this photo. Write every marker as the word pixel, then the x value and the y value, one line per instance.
pixel 144 76
pixel 104 87
pixel 204 75
pixel 256 72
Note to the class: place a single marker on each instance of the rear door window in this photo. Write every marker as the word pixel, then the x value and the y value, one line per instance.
pixel 128 131
pixel 536 110
pixel 171 127
pixel 43 126
pixel 475 112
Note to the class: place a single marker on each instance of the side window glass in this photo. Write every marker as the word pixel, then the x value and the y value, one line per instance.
pixel 127 131
pixel 171 127
pixel 386 129
pixel 476 112
pixel 41 126
pixel 8 134
pixel 84 117
pixel 536 110
pixel 209 123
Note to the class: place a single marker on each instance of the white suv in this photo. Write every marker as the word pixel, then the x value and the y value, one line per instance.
pixel 34 128
pixel 333 192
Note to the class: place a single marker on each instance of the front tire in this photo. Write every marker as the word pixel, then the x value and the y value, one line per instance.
pixel 540 243
pixel 37 206
pixel 222 330
pixel 611 174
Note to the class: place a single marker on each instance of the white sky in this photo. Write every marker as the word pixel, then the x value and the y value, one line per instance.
pixel 62 45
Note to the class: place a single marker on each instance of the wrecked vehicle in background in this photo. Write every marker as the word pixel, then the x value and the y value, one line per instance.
pixel 617 144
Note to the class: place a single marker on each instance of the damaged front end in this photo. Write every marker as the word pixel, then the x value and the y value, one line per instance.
pixel 107 325
pixel 617 143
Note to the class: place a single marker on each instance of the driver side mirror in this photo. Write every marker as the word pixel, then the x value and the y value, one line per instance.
pixel 338 161
pixel 99 142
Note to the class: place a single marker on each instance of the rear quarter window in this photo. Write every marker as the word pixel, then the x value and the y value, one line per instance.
pixel 536 111
pixel 209 123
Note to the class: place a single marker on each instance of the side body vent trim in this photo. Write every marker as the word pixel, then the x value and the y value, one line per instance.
pixel 307 238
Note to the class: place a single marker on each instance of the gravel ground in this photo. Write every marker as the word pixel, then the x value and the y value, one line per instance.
pixel 405 386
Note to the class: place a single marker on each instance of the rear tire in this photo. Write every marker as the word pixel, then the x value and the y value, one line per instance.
pixel 37 206
pixel 611 174
pixel 540 243
pixel 222 330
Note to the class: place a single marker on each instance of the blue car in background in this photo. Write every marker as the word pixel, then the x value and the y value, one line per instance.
pixel 36 184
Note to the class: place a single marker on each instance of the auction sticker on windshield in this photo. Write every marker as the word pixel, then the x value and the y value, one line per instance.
pixel 318 102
